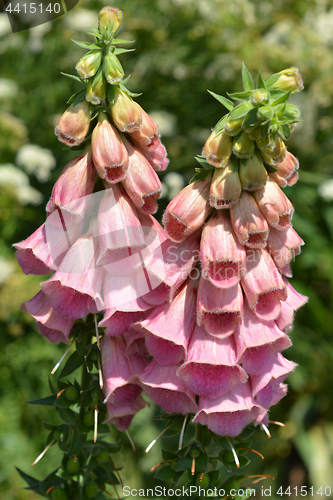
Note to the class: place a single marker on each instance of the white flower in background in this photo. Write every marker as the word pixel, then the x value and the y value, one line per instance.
pixel 325 189
pixel 6 269
pixel 36 161
pixel 16 181
pixel 174 183
pixel 166 122
pixel 8 88
pixel 5 27
pixel 36 36
pixel 80 19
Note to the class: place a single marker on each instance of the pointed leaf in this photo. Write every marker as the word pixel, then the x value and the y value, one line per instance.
pixel 240 95
pixel 74 77
pixel 31 481
pixel 272 79
pixel 203 162
pixel 67 415
pixel 223 100
pixel 80 96
pixel 220 124
pixel 119 40
pixel 128 92
pixel 165 473
pixel 247 79
pixel 121 51
pixel 283 98
pixel 87 45
pixel 261 82
pixel 48 401
pixel 200 176
pixel 168 455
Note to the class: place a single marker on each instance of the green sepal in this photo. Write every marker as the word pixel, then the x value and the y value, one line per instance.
pixel 87 45
pixel 201 462
pixel 240 95
pixel 78 442
pixel 96 33
pixel 125 89
pixel 31 481
pixel 74 77
pixel 283 98
pixel 272 79
pixel 285 132
pixel 214 476
pixel 184 463
pixel 67 416
pixel 119 40
pixel 48 401
pixel 168 455
pixel 200 176
pixel 223 100
pixel 220 124
pixel 121 51
pixel 247 79
pixel 203 162
pixel 73 362
pixel 261 83
pixel 241 110
pixel 77 97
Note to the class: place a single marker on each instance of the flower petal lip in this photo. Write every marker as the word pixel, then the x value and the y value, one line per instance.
pixel 249 225
pixel 225 187
pixel 74 124
pixel 274 205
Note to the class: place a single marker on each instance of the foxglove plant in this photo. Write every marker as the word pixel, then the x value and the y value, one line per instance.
pixel 194 317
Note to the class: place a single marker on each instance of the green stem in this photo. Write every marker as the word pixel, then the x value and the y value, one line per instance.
pixel 198 432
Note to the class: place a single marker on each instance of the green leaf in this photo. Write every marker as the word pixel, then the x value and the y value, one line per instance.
pixel 74 77
pixel 78 442
pixel 247 79
pixel 202 461
pixel 168 455
pixel 67 415
pixel 80 96
pixel 214 476
pixel 261 82
pixel 241 110
pixel 96 33
pixel 220 124
pixel 31 481
pixel 240 95
pixel 87 45
pixel 121 51
pixel 283 98
pixel 223 100
pixel 119 40
pixel 203 162
pixel 184 464
pixel 165 473
pixel 48 401
pixel 73 362
pixel 125 89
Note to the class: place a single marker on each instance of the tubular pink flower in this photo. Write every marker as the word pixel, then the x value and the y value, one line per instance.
pixel 187 211
pixel 75 289
pixel 284 245
pixel 120 371
pixel 168 328
pixel 157 158
pixel 73 125
pixel 148 135
pixel 249 224
pixel 286 174
pixel 229 414
pixel 219 310
pixel 125 112
pixel 274 205
pixel 33 254
pixel 50 324
pixel 222 257
pixel 119 227
pixel 121 416
pixel 257 343
pixel 73 188
pixel 109 154
pixel 141 183
pixel 293 302
pixel 166 389
pixel 225 187
pixel 263 285
pixel 119 322
pixel 135 343
pixel 267 389
pixel 210 367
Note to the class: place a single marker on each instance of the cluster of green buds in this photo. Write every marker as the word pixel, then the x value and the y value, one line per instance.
pixel 101 65
pixel 249 140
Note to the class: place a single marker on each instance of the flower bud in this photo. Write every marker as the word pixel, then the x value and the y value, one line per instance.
pixel 148 134
pixel 260 96
pixel 218 149
pixel 291 112
pixel 286 174
pixel 110 15
pixel 243 147
pixel 96 88
pixel 266 144
pixel 277 155
pixel 251 121
pixel 274 205
pixel 74 124
pixel 252 173
pixel 113 70
pixel 126 113
pixel 265 113
pixel 88 64
pixel 287 79
pixel 225 188
pixel 233 124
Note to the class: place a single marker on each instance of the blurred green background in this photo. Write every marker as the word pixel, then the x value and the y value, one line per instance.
pixel 183 48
